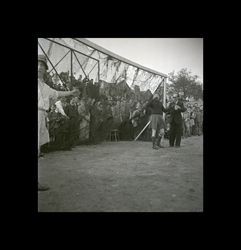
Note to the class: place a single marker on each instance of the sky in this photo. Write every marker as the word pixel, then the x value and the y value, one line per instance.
pixel 161 54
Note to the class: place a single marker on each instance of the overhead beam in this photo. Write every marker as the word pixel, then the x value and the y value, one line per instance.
pixel 113 55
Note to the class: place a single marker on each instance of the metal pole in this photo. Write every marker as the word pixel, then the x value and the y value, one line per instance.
pixel 89 56
pixel 164 95
pixel 60 60
pixel 162 75
pixel 80 64
pixel 92 69
pixel 51 64
pixel 142 130
pixel 98 70
pixel 158 86
pixel 71 67
pixel 70 48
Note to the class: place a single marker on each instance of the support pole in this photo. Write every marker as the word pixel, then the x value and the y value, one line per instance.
pixel 98 70
pixel 91 70
pixel 80 64
pixel 164 95
pixel 142 130
pixel 59 61
pixel 71 67
pixel 52 64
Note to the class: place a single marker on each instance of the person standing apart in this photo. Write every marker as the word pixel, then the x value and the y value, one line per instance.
pixel 45 93
pixel 175 109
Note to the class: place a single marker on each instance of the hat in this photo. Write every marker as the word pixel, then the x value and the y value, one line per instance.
pixel 43 59
pixel 156 96
pixel 174 95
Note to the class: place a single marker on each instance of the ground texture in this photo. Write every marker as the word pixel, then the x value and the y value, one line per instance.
pixel 125 176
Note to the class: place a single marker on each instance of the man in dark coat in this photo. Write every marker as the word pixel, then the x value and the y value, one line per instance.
pixel 175 109
pixel 71 111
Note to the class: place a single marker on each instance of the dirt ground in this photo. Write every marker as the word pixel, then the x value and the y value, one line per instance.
pixel 125 176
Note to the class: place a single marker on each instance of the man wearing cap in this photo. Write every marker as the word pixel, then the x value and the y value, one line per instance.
pixel 175 109
pixel 45 93
pixel 157 122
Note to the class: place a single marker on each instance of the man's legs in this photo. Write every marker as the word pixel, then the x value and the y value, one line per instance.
pixel 184 129
pixel 193 130
pixel 178 135
pixel 161 134
pixel 172 135
pixel 153 137
pixel 198 129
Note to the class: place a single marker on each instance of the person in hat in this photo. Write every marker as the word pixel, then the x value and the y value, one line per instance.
pixel 157 121
pixel 45 93
pixel 175 108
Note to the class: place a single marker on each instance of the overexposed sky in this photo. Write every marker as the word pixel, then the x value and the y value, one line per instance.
pixel 160 54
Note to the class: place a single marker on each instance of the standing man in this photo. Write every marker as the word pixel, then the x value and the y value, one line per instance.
pixel 157 122
pixel 175 109
pixel 198 121
pixel 45 93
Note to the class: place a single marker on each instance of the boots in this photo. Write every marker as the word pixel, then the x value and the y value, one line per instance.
pixel 159 142
pixel 154 143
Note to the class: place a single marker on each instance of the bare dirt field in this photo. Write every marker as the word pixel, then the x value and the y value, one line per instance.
pixel 124 176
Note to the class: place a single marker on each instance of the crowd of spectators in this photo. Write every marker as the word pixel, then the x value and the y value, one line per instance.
pixel 102 107
pixel 193 120
pixel 89 117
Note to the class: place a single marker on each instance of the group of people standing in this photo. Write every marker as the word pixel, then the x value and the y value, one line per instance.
pixel 193 120
pixel 95 117
pixel 158 125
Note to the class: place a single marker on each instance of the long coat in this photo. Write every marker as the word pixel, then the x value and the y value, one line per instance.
pixel 175 115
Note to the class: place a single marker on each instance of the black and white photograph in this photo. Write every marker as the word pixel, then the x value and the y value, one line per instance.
pixel 120 124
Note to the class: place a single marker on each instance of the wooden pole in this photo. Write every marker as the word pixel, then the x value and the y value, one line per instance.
pixel 142 130
pixel 164 95
pixel 98 71
pixel 71 67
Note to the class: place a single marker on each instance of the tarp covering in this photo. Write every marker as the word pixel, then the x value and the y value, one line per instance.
pixel 92 61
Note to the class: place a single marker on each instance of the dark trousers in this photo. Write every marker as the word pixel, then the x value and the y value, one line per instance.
pixel 175 134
